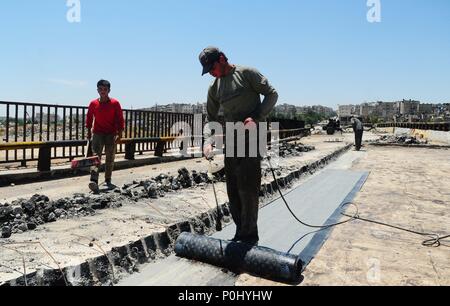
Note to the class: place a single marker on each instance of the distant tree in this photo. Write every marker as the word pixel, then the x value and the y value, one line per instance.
pixel 311 117
pixel 375 119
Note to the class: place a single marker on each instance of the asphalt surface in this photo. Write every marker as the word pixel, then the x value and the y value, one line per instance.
pixel 317 201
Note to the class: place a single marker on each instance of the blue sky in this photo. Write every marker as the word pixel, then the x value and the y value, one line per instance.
pixel 313 51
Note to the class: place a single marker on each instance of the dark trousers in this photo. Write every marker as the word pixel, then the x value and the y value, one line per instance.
pixel 243 185
pixel 358 139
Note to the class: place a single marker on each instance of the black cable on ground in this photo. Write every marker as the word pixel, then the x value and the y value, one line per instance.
pixel 434 240
pixel 293 214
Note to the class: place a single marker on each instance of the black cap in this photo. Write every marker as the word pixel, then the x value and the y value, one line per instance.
pixel 208 58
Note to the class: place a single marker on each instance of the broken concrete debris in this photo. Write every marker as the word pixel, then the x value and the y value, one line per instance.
pixel 27 214
pixel 407 140
pixel 294 149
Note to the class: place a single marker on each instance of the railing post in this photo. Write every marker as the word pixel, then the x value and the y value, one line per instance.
pixel 130 150
pixel 44 161
pixel 159 151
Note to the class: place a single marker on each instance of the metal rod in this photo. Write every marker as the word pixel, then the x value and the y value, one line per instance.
pixel 16 128
pixel 147 134
pixel 41 118
pixel 135 125
pixel 55 136
pixel 83 129
pixel 48 123
pixel 130 130
pixel 77 128
pixel 24 156
pixel 141 125
pixel 152 128
pixel 70 131
pixel 64 129
pixel 7 129
pixel 126 124
pixel 33 114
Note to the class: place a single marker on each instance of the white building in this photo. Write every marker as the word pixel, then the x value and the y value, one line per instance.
pixel 346 110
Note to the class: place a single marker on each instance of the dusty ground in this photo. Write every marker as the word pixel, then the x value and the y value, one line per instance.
pixel 68 240
pixel 408 188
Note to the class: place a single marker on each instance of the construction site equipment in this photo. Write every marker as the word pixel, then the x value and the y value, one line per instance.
pixel 332 126
pixel 240 257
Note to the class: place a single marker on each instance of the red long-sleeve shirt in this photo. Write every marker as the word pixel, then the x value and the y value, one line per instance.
pixel 106 118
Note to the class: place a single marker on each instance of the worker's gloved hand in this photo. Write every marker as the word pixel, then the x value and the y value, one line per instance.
pixel 250 123
pixel 208 152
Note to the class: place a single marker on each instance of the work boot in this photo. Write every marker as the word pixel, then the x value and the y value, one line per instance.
pixel 93 186
pixel 251 241
pixel 236 239
pixel 109 184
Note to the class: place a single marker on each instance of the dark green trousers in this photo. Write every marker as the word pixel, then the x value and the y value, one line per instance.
pixel 358 139
pixel 243 185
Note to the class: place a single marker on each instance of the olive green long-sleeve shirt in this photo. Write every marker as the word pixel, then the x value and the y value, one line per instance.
pixel 239 94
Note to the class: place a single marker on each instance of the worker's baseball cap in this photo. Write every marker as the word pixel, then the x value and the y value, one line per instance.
pixel 208 58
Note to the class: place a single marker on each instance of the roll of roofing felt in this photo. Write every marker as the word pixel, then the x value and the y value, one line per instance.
pixel 241 258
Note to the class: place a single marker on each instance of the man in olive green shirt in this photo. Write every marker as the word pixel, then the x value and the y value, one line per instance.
pixel 237 90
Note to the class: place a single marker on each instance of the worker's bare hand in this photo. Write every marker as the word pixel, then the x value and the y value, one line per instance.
pixel 250 123
pixel 89 135
pixel 208 151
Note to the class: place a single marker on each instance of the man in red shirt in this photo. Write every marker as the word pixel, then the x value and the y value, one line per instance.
pixel 105 120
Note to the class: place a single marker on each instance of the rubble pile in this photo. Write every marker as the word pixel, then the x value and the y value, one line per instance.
pixel 23 215
pixel 292 150
pixel 162 184
pixel 407 140
pixel 27 214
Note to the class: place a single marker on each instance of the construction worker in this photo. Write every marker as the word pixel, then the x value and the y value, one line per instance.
pixel 358 129
pixel 237 91
pixel 105 120
pixel 339 127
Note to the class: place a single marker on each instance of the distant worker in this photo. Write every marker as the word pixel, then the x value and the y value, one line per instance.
pixel 238 91
pixel 358 128
pixel 105 120
pixel 339 127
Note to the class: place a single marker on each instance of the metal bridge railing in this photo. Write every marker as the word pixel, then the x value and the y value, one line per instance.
pixel 445 126
pixel 34 122
pixel 43 132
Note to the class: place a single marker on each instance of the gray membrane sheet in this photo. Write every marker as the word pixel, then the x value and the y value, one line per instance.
pixel 318 201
